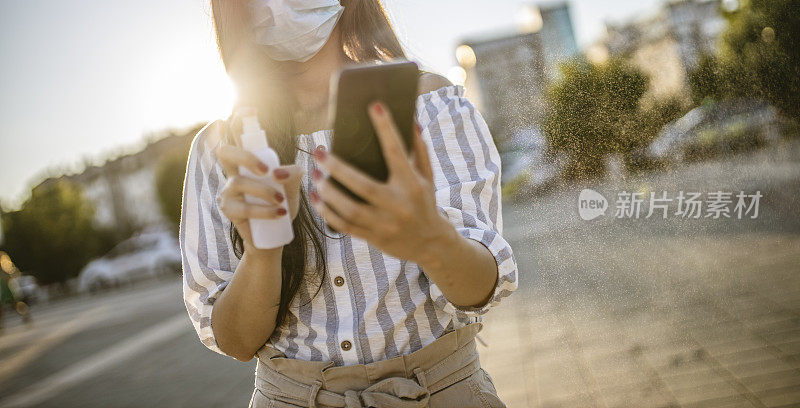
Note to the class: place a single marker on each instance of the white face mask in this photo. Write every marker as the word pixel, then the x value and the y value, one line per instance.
pixel 294 30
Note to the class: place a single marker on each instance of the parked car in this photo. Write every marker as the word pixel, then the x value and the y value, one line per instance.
pixel 142 256
pixel 25 288
pixel 528 164
pixel 727 126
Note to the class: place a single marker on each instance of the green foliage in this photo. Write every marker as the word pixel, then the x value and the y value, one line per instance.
pixel 6 296
pixel 169 185
pixel 656 114
pixel 593 111
pixel 759 54
pixel 511 189
pixel 53 235
pixel 706 81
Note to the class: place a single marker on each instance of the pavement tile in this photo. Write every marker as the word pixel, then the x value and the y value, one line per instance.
pixel 783 400
pixel 752 368
pixel 783 336
pixel 734 346
pixel 790 348
pixel 559 381
pixel 576 400
pixel 716 402
pixel 767 381
pixel 639 395
pixel 700 378
pixel 744 356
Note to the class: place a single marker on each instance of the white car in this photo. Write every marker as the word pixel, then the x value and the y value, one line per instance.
pixel 715 126
pixel 142 256
pixel 25 288
pixel 527 158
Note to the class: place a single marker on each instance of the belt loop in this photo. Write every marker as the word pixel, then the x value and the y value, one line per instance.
pixel 421 379
pixel 312 396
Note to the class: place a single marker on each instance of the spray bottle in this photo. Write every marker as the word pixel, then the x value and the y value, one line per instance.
pixel 267 233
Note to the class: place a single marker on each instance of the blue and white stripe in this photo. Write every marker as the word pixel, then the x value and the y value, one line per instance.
pixel 387 307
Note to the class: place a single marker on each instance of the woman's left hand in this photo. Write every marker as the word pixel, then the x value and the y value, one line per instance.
pixel 400 216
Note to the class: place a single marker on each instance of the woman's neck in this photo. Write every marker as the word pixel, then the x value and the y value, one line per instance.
pixel 311 83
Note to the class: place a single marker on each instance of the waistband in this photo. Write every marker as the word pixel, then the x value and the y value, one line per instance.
pixel 403 381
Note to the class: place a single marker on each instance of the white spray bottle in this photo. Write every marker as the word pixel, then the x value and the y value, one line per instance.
pixel 267 233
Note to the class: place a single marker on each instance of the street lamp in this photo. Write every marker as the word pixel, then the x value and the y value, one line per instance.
pixel 466 56
pixel 530 19
pixel 5 263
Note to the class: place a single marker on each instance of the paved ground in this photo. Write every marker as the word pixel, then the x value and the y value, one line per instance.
pixel 610 313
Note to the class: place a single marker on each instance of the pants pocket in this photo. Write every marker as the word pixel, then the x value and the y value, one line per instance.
pixel 475 391
pixel 259 400
pixel 484 389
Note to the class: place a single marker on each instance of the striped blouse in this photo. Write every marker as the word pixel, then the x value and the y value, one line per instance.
pixel 370 306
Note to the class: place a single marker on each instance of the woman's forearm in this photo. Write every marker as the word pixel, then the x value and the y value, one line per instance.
pixel 243 317
pixel 464 269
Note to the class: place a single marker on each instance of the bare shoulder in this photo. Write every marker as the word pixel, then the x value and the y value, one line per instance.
pixel 429 82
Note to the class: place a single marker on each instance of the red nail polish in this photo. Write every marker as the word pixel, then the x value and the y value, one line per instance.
pixel 316 174
pixel 313 196
pixel 319 154
pixel 378 108
pixel 281 211
pixel 278 197
pixel 419 128
pixel 281 173
pixel 263 167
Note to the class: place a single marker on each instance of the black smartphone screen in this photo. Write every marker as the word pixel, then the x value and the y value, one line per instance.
pixel 354 89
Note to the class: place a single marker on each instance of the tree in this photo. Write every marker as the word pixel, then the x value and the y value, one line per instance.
pixel 759 53
pixel 169 185
pixel 657 113
pixel 706 81
pixel 53 235
pixel 593 110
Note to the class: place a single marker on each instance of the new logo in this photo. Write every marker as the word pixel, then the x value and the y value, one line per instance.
pixel 591 204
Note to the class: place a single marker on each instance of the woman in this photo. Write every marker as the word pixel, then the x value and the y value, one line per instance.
pixel 385 312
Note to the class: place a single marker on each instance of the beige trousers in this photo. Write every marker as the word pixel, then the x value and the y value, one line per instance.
pixel 446 373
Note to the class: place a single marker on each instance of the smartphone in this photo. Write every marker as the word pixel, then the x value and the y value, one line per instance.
pixel 352 91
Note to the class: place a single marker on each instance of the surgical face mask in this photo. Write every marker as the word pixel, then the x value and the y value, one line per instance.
pixel 294 30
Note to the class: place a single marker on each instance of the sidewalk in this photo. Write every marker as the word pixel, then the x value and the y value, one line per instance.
pixel 720 333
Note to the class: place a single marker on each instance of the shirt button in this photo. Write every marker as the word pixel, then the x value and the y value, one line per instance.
pixel 338 281
pixel 346 345
pixel 321 147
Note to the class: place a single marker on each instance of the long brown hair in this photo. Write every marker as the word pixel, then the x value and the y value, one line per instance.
pixel 366 35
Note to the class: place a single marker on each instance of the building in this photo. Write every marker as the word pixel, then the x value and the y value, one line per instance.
pixel 506 75
pixel 506 80
pixel 558 36
pixel 669 44
pixel 123 189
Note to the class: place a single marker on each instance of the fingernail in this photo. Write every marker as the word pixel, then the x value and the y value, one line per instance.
pixel 378 107
pixel 419 128
pixel 281 211
pixel 278 197
pixel 319 154
pixel 316 174
pixel 263 167
pixel 314 197
pixel 280 173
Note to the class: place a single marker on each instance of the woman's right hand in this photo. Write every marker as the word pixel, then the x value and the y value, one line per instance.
pixel 231 198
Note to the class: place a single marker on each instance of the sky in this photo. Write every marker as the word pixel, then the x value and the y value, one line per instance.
pixel 85 80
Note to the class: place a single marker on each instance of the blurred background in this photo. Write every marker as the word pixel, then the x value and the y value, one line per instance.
pixel 644 102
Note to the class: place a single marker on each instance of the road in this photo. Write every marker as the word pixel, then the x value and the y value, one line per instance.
pixel 611 312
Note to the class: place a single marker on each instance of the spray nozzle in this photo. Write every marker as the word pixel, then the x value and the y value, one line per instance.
pixel 250 124
pixel 253 136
